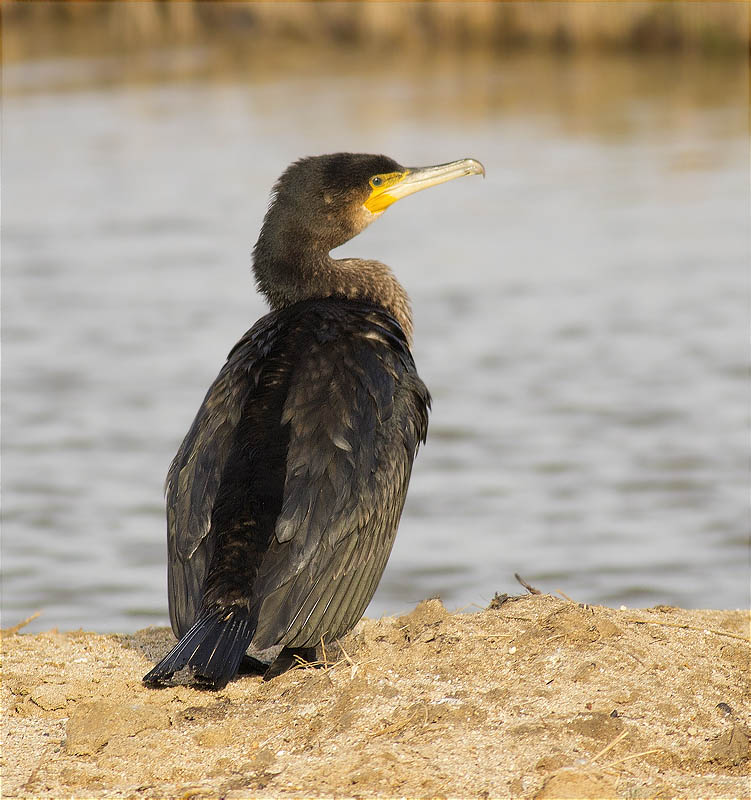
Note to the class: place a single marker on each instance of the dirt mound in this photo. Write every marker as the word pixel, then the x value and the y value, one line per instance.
pixel 537 698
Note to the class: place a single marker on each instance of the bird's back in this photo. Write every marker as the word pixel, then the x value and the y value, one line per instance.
pixel 285 495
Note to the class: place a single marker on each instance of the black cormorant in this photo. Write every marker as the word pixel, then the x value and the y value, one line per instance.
pixel 284 498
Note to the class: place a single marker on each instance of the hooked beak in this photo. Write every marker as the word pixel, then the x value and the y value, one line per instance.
pixel 414 179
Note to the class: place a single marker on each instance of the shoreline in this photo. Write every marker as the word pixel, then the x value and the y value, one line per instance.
pixel 540 697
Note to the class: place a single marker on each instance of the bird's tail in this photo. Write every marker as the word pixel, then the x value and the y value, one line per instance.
pixel 213 648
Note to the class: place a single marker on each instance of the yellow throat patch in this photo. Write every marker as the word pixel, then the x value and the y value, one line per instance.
pixel 380 199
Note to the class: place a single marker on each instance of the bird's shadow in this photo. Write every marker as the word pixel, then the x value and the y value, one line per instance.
pixel 153 642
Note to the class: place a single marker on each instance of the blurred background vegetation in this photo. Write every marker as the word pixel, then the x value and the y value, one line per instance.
pixel 378 27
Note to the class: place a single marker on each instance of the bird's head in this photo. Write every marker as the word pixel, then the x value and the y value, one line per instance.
pixel 320 203
pixel 329 199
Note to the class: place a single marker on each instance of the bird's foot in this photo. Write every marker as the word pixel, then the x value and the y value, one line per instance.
pixel 252 666
pixel 288 658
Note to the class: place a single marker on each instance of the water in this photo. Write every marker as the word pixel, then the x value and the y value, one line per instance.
pixel 580 317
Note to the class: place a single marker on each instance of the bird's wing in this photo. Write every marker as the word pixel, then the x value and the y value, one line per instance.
pixel 356 411
pixel 195 474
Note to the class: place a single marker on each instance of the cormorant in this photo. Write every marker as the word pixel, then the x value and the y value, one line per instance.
pixel 284 498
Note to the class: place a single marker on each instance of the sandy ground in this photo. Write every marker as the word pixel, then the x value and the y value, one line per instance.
pixel 538 698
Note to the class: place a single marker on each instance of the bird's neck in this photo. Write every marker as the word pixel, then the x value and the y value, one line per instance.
pixel 289 277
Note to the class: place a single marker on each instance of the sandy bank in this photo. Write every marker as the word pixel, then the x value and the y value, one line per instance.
pixel 538 698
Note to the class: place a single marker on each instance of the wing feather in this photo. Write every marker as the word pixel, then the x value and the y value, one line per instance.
pixel 357 411
pixel 195 475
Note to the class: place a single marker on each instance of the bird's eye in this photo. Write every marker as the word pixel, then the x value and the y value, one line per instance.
pixel 376 181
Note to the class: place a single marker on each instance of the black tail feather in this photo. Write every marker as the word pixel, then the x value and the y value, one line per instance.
pixel 213 648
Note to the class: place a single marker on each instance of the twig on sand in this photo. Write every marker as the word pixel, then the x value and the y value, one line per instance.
pixel 530 589
pixel 533 590
pixel 354 667
pixel 609 747
pixel 690 627
pixel 16 628
pixel 323 648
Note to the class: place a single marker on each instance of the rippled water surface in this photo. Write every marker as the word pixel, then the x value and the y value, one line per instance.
pixel 580 318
